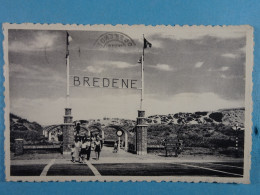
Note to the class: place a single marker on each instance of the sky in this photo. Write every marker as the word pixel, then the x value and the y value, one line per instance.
pixel 184 71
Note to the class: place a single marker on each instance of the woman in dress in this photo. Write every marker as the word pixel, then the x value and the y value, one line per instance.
pixel 88 148
pixel 73 153
pixel 97 148
pixel 77 149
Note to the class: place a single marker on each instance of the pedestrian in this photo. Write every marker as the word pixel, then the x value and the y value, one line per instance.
pixel 73 153
pixel 97 148
pixel 92 140
pixel 77 149
pixel 83 152
pixel 115 147
pixel 88 148
pixel 77 129
pixel 101 141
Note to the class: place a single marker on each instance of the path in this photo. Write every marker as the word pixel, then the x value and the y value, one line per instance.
pixel 127 164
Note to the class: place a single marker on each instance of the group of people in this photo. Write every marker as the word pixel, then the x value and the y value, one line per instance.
pixel 81 149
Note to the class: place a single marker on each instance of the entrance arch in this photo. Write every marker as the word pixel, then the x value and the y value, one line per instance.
pixel 97 128
pixel 53 133
pixel 83 131
pixel 117 127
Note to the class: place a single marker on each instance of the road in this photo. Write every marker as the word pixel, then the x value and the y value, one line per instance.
pixel 132 169
pixel 126 164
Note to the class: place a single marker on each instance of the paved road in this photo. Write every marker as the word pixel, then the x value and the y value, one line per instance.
pixel 126 164
pixel 132 169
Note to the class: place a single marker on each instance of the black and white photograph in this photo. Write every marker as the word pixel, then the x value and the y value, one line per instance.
pixel 128 103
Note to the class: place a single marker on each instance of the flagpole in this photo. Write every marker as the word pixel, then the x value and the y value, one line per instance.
pixel 142 78
pixel 68 72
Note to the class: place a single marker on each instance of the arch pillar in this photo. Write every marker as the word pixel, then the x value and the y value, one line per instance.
pixel 126 141
pixel 141 134
pixel 68 131
pixel 49 136
pixel 103 134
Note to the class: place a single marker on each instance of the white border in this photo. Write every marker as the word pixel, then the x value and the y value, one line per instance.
pixel 135 28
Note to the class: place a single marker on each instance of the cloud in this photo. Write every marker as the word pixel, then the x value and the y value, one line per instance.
pixel 20 69
pixel 229 55
pixel 39 73
pixel 163 67
pixel 173 54
pixel 43 39
pixel 186 32
pixel 243 49
pixel 223 76
pixel 157 44
pixel 190 34
pixel 224 68
pixel 94 69
pixel 199 64
pixel 52 110
pixel 29 109
pixel 39 40
pixel 189 102
pixel 117 64
pixel 117 105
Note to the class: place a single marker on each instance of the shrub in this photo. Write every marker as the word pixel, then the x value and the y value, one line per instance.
pixel 201 113
pixel 26 135
pixel 176 115
pixel 149 120
pixel 216 116
pixel 208 120
pixel 189 119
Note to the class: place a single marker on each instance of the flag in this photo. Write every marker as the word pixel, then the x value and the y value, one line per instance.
pixel 69 39
pixel 147 44
pixel 140 60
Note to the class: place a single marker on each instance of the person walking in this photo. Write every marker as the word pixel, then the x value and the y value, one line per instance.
pixel 88 148
pixel 97 148
pixel 115 147
pixel 101 141
pixel 92 141
pixel 77 129
pixel 77 150
pixel 73 153
pixel 83 153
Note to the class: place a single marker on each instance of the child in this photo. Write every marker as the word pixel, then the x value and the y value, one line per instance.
pixel 115 147
pixel 73 153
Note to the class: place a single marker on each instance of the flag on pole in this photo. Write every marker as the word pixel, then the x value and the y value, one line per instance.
pixel 147 44
pixel 69 39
